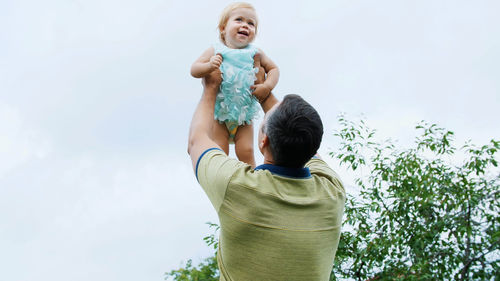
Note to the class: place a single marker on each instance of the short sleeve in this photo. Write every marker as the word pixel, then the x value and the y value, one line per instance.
pixel 319 168
pixel 214 171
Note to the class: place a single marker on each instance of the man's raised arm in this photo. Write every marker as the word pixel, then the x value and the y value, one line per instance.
pixel 203 118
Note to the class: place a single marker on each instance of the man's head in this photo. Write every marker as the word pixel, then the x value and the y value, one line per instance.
pixel 294 131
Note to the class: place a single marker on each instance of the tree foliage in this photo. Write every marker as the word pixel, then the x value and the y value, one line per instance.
pixel 207 270
pixel 418 214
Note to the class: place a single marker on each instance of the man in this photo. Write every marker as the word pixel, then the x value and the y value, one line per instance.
pixel 281 220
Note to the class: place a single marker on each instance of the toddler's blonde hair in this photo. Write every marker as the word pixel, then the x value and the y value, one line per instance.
pixel 224 17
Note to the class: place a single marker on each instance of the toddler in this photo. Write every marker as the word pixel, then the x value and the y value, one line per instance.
pixel 235 106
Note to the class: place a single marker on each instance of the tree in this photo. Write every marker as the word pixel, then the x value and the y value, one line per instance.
pixel 207 270
pixel 418 214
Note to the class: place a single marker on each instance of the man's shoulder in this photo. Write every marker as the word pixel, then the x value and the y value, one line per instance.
pixel 206 155
pixel 319 168
pixel 317 164
pixel 214 162
pixel 214 171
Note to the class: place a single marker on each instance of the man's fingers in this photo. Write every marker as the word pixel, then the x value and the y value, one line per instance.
pixel 213 79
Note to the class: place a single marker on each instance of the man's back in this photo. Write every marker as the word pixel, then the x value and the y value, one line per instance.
pixel 276 223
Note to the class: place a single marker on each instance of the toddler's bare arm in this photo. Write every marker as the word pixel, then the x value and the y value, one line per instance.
pixel 206 63
pixel 272 70
pixel 267 100
pixel 272 77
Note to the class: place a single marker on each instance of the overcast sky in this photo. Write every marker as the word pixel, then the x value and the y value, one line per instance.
pixel 96 101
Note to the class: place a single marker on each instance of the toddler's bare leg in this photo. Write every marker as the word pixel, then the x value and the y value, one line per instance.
pixel 243 144
pixel 220 136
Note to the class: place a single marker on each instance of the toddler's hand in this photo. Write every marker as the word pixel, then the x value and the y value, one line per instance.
pixel 215 61
pixel 261 91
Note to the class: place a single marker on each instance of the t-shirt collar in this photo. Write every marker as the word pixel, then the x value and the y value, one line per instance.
pixel 285 171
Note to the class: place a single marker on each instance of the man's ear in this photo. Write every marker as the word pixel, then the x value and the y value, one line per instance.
pixel 264 142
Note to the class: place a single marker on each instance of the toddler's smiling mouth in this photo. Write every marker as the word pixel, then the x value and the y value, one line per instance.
pixel 243 32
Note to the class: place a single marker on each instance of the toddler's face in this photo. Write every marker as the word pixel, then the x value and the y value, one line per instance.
pixel 240 28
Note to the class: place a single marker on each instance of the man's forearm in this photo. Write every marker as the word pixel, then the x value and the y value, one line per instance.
pixel 201 125
pixel 268 102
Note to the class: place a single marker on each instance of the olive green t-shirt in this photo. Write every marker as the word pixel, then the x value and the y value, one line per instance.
pixel 277 223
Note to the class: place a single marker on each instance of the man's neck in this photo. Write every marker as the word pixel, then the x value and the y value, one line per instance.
pixel 268 157
pixel 268 162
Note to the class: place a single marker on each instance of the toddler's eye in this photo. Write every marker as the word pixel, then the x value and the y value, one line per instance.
pixel 251 23
pixel 238 19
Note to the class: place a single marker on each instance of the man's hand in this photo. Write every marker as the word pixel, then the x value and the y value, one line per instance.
pixel 261 91
pixel 212 80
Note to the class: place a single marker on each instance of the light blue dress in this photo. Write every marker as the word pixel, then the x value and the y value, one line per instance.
pixel 235 105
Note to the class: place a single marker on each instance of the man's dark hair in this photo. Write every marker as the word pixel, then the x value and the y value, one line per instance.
pixel 294 130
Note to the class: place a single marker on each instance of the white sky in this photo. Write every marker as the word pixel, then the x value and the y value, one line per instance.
pixel 96 100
